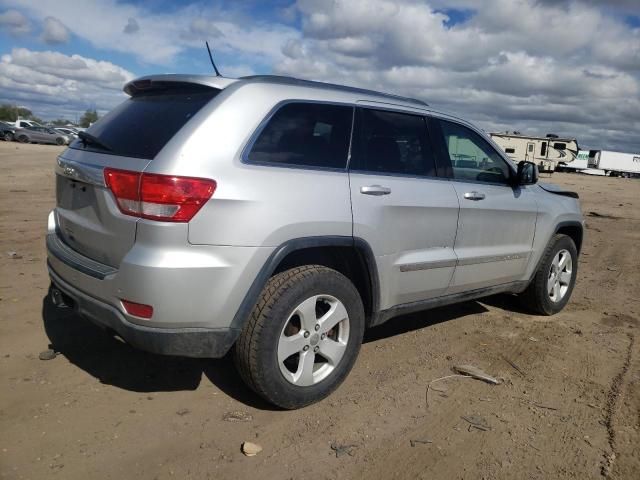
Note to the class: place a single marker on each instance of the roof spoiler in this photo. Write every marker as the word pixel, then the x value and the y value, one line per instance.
pixel 164 82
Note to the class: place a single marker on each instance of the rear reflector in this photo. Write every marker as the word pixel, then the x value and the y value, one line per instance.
pixel 166 198
pixel 137 309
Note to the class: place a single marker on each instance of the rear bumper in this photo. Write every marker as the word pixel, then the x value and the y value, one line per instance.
pixel 188 342
pixel 188 286
pixel 195 290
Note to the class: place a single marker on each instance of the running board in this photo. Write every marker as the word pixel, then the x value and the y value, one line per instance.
pixel 406 308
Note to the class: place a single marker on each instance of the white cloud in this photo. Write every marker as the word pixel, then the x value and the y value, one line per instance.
pixel 563 66
pixel 54 84
pixel 14 22
pixel 165 35
pixel 54 32
pixel 261 41
pixel 131 26
pixel 567 66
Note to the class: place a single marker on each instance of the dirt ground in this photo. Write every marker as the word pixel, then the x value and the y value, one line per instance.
pixel 568 407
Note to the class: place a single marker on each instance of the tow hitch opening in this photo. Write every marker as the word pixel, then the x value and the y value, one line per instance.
pixel 59 299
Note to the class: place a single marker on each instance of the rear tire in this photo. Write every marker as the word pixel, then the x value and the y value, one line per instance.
pixel 8 137
pixel 23 139
pixel 301 315
pixel 552 285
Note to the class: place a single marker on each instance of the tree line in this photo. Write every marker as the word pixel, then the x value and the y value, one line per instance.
pixel 10 113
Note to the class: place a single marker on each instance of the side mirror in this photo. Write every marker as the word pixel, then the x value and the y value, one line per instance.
pixel 527 173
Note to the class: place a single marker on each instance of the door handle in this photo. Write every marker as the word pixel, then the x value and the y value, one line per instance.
pixel 475 196
pixel 376 190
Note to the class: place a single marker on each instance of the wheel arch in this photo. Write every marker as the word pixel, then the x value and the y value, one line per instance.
pixel 572 229
pixel 350 256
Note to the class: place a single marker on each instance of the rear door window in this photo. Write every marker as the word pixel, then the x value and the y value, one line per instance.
pixel 305 135
pixel 392 143
pixel 143 124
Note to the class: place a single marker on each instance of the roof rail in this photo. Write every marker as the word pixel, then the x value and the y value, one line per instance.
pixel 284 80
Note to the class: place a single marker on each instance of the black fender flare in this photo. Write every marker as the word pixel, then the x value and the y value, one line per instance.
pixel 284 249
pixel 559 225
pixel 570 223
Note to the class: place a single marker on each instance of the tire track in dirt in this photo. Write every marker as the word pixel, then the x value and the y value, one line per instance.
pixel 616 392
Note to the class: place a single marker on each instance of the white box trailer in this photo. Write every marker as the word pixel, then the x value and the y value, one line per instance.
pixel 581 162
pixel 616 163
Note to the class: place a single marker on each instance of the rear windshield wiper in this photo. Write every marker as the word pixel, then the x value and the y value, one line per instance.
pixel 87 138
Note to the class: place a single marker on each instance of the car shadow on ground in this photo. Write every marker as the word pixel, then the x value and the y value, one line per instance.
pixel 426 318
pixel 114 362
pixel 508 302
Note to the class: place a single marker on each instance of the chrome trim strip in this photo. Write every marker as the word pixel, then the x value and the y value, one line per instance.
pixel 82 172
pixel 414 267
pixel 494 258
pixel 77 261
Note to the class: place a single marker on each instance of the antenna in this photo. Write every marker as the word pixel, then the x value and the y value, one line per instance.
pixel 212 62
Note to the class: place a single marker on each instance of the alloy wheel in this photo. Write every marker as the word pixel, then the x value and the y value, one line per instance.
pixel 313 340
pixel 560 276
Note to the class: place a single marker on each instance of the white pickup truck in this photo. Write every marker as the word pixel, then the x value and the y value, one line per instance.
pixel 25 123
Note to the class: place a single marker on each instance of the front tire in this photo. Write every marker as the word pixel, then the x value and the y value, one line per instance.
pixel 8 137
pixel 553 283
pixel 302 338
pixel 23 139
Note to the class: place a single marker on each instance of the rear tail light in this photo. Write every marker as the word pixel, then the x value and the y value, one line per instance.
pixel 137 309
pixel 166 198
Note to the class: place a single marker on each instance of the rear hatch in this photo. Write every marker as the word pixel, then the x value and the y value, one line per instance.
pixel 89 219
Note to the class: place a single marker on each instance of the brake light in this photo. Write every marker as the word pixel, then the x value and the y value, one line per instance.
pixel 166 198
pixel 137 309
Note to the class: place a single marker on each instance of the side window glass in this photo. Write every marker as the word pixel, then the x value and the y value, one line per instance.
pixel 472 157
pixel 391 142
pixel 305 134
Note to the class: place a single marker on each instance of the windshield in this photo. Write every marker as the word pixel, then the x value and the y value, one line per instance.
pixel 142 125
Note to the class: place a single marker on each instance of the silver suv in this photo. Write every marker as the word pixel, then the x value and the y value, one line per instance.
pixel 283 217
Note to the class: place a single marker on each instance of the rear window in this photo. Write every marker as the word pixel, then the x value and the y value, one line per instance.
pixel 305 135
pixel 142 125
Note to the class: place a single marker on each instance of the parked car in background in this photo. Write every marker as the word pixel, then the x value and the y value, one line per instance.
pixel 7 131
pixel 282 217
pixel 41 135
pixel 67 131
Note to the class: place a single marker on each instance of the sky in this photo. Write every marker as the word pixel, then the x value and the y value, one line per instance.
pixel 570 67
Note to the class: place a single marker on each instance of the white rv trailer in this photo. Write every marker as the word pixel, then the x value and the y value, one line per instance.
pixel 615 163
pixel 547 152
